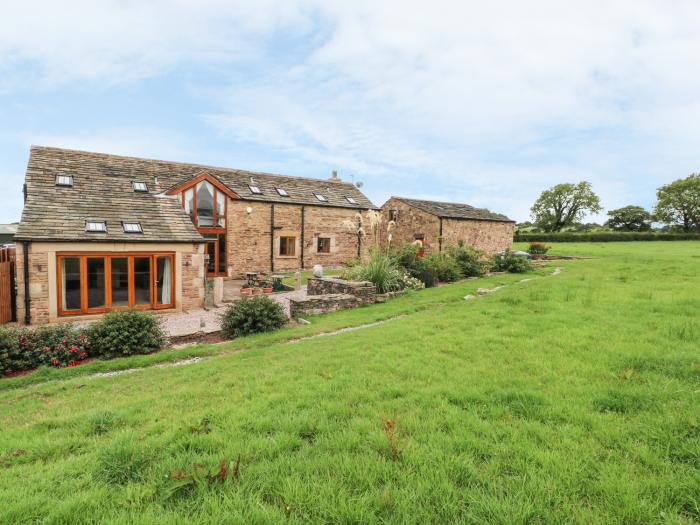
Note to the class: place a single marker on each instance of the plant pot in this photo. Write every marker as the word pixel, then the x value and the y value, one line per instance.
pixel 246 291
pixel 267 289
pixel 256 291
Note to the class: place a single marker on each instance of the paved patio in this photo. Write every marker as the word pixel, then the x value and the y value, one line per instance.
pixel 208 321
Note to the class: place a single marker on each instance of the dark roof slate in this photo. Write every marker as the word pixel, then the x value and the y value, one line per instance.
pixel 454 210
pixel 102 191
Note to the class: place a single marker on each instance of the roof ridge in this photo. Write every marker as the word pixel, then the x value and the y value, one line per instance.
pixel 188 164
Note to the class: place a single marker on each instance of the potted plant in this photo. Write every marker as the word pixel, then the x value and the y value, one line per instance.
pixel 246 291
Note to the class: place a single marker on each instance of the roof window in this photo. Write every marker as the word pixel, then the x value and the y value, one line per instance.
pixel 132 227
pixel 95 226
pixel 255 190
pixel 141 187
pixel 350 199
pixel 320 197
pixel 64 180
pixel 282 192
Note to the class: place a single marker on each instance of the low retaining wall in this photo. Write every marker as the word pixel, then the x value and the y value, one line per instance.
pixel 364 291
pixel 319 304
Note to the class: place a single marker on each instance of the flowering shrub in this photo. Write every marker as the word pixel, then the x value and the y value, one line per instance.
pixel 538 248
pixel 58 346
pixel 411 283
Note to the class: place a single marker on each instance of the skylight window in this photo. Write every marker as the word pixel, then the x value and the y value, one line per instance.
pixel 64 180
pixel 140 187
pixel 132 227
pixel 255 190
pixel 282 192
pixel 350 199
pixel 96 226
pixel 320 197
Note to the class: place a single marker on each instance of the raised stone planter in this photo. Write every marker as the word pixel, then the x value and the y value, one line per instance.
pixel 319 304
pixel 364 291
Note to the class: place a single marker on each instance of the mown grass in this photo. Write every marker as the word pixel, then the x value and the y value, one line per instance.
pixel 565 399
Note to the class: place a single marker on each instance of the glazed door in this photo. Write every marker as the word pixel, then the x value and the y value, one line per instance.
pixel 165 276
pixel 212 252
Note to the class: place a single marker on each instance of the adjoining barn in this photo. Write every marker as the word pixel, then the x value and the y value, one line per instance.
pixel 101 232
pixel 440 224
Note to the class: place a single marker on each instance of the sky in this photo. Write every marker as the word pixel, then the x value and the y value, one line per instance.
pixel 487 103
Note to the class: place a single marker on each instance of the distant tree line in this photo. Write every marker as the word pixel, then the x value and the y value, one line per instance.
pixel 563 208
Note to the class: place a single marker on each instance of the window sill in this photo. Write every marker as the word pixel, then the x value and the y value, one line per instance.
pixel 286 257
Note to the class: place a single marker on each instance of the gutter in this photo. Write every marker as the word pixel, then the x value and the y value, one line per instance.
pixel 302 236
pixel 27 300
pixel 440 237
pixel 272 238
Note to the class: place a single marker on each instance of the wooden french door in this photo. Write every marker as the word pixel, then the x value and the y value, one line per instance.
pixel 216 250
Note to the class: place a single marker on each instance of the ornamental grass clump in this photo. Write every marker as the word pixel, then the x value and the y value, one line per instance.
pixel 380 270
pixel 126 332
pixel 252 315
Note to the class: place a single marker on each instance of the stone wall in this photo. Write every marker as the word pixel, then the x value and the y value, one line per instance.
pixel 364 291
pixel 488 236
pixel 189 275
pixel 319 304
pixel 413 223
pixel 248 236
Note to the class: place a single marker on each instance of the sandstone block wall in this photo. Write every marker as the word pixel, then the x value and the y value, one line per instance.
pixel 365 292
pixel 319 304
pixel 488 236
pixel 249 226
pixel 189 275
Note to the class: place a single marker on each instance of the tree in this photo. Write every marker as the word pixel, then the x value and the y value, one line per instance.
pixel 630 218
pixel 679 203
pixel 564 205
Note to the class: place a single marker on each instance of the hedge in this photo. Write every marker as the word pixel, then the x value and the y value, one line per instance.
pixel 605 237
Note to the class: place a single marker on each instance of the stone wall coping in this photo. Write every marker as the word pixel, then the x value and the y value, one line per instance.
pixel 336 280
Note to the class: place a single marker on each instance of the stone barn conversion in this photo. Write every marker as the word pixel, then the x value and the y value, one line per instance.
pixel 441 224
pixel 101 232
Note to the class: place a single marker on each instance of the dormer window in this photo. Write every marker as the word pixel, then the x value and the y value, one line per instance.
pixel 350 199
pixel 96 226
pixel 140 187
pixel 255 190
pixel 64 180
pixel 320 197
pixel 282 192
pixel 132 227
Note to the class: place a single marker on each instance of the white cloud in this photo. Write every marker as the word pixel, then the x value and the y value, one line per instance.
pixel 486 102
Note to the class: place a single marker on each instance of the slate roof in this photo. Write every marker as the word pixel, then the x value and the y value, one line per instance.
pixel 454 210
pixel 102 191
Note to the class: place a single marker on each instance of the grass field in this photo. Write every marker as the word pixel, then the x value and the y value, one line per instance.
pixel 565 399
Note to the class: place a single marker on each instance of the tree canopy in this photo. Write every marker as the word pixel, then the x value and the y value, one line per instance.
pixel 564 205
pixel 630 218
pixel 679 203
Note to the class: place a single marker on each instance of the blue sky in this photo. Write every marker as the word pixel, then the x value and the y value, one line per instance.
pixel 484 104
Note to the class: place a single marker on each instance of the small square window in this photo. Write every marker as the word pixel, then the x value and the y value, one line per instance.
pixel 320 197
pixel 255 190
pixel 64 180
pixel 350 199
pixel 95 226
pixel 394 215
pixel 324 245
pixel 287 245
pixel 282 192
pixel 132 227
pixel 140 186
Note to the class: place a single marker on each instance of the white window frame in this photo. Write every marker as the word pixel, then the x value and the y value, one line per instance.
pixel 139 186
pixel 132 227
pixel 65 181
pixel 321 197
pixel 351 200
pixel 282 192
pixel 255 190
pixel 96 226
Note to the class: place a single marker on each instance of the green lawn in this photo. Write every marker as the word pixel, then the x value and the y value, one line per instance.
pixel 565 399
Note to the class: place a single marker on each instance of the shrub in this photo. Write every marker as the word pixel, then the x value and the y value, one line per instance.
pixel 425 272
pixel 252 315
pixel 380 270
pixel 470 261
pixel 405 257
pixel 411 283
pixel 446 268
pixel 508 262
pixel 12 357
pixel 538 248
pixel 60 346
pixel 126 332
